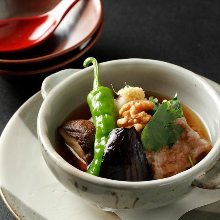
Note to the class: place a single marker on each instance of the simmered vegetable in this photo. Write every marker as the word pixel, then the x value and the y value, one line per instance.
pixel 79 137
pixel 161 130
pixel 124 158
pixel 132 138
pixel 104 115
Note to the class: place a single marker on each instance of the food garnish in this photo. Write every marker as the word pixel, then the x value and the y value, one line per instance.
pixel 129 93
pixel 162 130
pixel 156 104
pixel 134 114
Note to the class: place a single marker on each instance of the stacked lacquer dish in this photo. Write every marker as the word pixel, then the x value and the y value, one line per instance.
pixel 76 33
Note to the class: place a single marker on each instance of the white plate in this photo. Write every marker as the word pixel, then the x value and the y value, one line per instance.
pixel 27 186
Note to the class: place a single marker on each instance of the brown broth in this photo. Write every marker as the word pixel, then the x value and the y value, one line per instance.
pixel 82 112
pixel 192 118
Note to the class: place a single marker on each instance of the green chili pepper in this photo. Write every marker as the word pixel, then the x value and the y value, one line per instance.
pixel 104 114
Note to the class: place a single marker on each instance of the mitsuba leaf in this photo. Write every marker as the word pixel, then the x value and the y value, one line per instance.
pixel 161 130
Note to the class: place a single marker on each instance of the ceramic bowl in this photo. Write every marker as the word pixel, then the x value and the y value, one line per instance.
pixel 157 76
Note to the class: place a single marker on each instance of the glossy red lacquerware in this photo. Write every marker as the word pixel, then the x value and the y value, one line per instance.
pixel 54 64
pixel 78 26
pixel 25 32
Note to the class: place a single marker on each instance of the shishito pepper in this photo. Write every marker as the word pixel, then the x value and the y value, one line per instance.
pixel 104 114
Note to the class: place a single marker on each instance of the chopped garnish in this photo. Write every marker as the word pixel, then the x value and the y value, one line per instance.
pixel 156 104
pixel 128 94
pixel 190 160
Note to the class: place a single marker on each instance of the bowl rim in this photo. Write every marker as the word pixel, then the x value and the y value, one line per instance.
pixel 180 177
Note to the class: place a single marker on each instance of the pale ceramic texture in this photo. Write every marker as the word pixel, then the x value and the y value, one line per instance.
pixel 31 191
pixel 26 184
pixel 152 75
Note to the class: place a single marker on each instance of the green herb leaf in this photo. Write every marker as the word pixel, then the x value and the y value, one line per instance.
pixel 161 130
pixel 156 105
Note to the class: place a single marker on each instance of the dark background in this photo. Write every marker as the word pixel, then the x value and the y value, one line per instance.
pixel 186 33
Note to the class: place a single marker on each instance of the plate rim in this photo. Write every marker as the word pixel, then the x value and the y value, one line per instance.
pixel 10 207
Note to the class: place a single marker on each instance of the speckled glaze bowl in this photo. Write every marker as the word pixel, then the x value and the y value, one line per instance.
pixel 151 75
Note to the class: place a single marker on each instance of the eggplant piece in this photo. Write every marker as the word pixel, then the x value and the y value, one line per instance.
pixel 79 137
pixel 124 157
